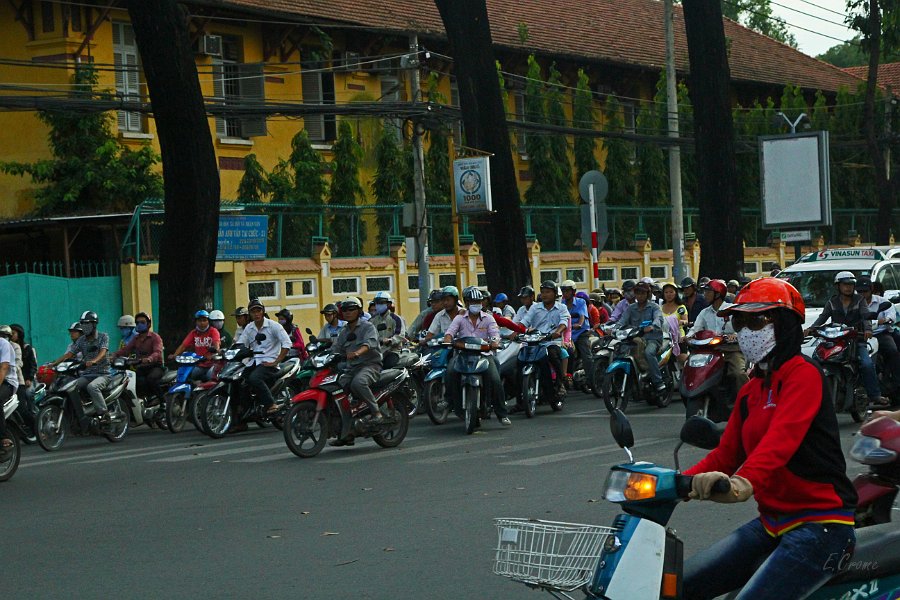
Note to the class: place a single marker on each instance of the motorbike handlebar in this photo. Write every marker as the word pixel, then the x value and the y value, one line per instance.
pixel 683 484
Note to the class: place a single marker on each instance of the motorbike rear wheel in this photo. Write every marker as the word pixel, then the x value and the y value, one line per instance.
pixel 530 391
pixel 49 436
pixel 9 464
pixel 859 406
pixel 391 438
pixel 176 411
pixel 118 427
pixel 598 376
pixel 436 404
pixel 470 399
pixel 614 397
pixel 216 416
pixel 665 399
pixel 305 432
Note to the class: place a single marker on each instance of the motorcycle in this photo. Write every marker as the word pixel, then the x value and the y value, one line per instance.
pixel 314 348
pixel 639 557
pixel 703 383
pixel 508 366
pixel 877 446
pixel 177 400
pixel 602 350
pixel 436 404
pixel 625 382
pixel 66 410
pixel 416 364
pixel 10 457
pixel 470 362
pixel 538 377
pixel 834 351
pixel 229 400
pixel 327 410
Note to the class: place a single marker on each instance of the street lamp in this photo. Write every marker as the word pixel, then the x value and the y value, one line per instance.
pixel 792 124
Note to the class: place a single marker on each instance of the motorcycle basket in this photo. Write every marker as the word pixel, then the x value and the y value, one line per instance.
pixel 547 554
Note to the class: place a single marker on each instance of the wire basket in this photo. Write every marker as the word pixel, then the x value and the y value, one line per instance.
pixel 548 554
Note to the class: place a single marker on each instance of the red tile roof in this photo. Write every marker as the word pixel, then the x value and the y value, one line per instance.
pixel 888 74
pixel 621 32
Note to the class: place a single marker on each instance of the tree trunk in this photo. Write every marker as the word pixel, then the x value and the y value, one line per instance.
pixel 883 184
pixel 720 214
pixel 502 241
pixel 188 246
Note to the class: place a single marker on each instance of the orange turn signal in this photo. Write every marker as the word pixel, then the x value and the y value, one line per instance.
pixel 640 486
pixel 670 585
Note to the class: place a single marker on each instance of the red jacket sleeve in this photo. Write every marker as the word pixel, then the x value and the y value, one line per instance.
pixel 727 456
pixel 509 324
pixel 188 343
pixel 604 316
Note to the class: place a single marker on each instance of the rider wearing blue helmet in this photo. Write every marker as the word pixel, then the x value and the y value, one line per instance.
pixel 203 340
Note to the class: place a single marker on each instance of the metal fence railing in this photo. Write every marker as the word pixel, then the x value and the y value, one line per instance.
pixel 75 269
pixel 368 230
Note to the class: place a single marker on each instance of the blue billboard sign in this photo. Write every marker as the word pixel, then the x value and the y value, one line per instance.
pixel 242 237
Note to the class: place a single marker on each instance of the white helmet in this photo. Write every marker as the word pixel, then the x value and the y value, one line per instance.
pixel 126 321
pixel 845 277
pixel 383 296
pixel 216 315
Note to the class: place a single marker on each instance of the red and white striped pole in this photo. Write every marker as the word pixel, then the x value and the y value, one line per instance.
pixel 594 240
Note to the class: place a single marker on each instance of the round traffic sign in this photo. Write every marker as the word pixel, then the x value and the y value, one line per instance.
pixel 598 181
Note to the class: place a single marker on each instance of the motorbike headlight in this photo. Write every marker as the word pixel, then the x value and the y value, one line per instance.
pixel 230 354
pixel 623 486
pixel 622 334
pixel 868 451
pixel 699 360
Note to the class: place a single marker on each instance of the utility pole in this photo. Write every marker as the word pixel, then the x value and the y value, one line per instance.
pixel 421 223
pixel 678 272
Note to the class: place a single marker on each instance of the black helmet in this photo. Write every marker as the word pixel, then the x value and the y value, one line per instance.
pixel 88 316
pixel 526 291
pixel 328 308
pixel 688 282
pixel 628 285
pixel 472 294
pixel 864 284
pixel 240 311
pixel 255 303
pixel 549 285
pixel 435 295
pixel 76 326
pixel 288 315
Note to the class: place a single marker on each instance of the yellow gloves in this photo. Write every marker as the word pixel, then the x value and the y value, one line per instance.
pixel 702 485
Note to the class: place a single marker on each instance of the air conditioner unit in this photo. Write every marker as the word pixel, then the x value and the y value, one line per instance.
pixel 350 61
pixel 209 45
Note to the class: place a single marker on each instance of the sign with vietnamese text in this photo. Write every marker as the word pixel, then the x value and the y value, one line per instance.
pixel 841 253
pixel 242 237
pixel 472 178
pixel 796 236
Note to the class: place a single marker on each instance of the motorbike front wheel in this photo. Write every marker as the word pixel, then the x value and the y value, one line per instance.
pixel 436 404
pixel 530 391
pixel 598 376
pixel 470 398
pixel 305 431
pixel 392 435
pixel 9 463
pixel 176 411
pixel 216 416
pixel 662 400
pixel 52 427
pixel 618 390
pixel 118 422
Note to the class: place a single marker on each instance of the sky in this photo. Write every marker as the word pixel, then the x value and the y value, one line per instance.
pixel 816 10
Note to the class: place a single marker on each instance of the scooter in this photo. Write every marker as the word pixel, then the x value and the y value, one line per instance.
pixel 625 382
pixel 702 386
pixel 878 446
pixel 178 398
pixel 436 404
pixel 835 352
pixel 470 363
pixel 327 410
pixel 538 377
pixel 68 410
pixel 639 557
pixel 603 348
pixel 508 366
pixel 10 457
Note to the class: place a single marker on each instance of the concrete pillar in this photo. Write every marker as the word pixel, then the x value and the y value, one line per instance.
pixel 534 262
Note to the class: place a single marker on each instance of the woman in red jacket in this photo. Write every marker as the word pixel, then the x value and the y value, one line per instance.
pixel 782 446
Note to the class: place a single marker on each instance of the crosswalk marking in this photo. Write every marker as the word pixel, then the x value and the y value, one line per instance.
pixel 561 456
pixel 290 455
pixel 201 455
pixel 506 449
pixel 78 457
pixel 401 450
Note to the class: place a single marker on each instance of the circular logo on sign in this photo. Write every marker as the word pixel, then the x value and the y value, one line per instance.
pixel 470 181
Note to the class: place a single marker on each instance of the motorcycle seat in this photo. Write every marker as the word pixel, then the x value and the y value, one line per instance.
pixel 876 554
pixel 287 365
pixel 385 377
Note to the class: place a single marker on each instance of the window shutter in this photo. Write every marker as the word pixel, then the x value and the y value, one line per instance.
pixel 252 83
pixel 521 146
pixel 219 93
pixel 119 65
pixel 133 90
pixel 312 94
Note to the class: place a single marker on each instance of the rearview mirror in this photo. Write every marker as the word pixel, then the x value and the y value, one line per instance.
pixel 351 337
pixel 260 338
pixel 884 306
pixel 308 331
pixel 381 327
pixel 700 432
pixel 621 429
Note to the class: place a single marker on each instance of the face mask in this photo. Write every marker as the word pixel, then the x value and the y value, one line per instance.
pixel 756 345
pixel 125 331
pixel 283 322
pixel 218 324
pixel 88 328
pixel 142 327
pixel 204 329
pixel 474 309
pixel 380 309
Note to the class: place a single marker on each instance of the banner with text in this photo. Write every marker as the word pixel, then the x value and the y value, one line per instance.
pixel 472 177
pixel 242 237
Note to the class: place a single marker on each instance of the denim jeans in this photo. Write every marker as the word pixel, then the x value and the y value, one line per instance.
pixel 790 566
pixel 867 371
pixel 651 354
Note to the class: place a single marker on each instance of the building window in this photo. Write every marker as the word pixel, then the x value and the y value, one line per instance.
pixel 128 75
pixel 446 279
pixel 550 275
pixel 262 289
pixel 576 275
pixel 629 272
pixel 73 15
pixel 318 88
pixel 238 83
pixel 482 280
pixel 521 143
pixel 300 287
pixel 607 274
pixel 379 284
pixel 454 101
pixel 345 285
pixel 751 267
pixel 48 23
pixel 659 272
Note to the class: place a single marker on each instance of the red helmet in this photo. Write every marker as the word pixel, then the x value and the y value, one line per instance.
pixel 765 294
pixel 716 285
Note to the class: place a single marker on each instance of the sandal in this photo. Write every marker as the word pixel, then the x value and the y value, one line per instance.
pixel 273 410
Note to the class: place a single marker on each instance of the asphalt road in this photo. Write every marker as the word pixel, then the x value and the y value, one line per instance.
pixel 185 516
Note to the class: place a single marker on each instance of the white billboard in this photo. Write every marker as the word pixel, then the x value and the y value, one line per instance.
pixel 795 180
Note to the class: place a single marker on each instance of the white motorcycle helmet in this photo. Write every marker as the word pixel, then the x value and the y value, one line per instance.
pixel 217 319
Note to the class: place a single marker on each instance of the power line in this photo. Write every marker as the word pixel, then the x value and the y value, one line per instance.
pixel 786 23
pixel 825 8
pixel 806 14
